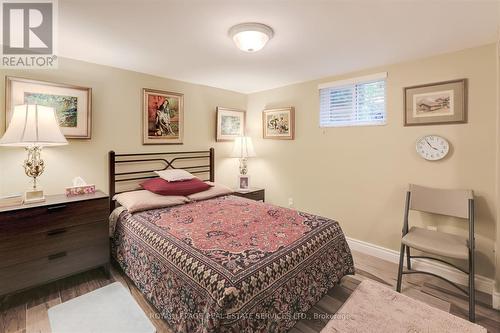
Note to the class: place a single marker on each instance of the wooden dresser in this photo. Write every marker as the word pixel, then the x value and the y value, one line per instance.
pixel 257 194
pixel 46 241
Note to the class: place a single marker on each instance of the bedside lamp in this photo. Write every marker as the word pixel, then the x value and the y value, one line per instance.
pixel 33 127
pixel 243 149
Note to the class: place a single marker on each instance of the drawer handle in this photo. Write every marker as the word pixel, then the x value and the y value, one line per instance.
pixel 58 255
pixel 56 208
pixel 56 232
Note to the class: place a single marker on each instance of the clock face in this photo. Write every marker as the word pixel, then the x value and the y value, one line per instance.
pixel 432 147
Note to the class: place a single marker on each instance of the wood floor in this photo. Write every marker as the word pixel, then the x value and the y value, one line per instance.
pixel 27 312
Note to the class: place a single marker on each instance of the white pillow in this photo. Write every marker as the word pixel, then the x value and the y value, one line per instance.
pixel 216 190
pixel 136 201
pixel 174 175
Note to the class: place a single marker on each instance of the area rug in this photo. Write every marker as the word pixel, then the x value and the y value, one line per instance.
pixel 374 308
pixel 106 310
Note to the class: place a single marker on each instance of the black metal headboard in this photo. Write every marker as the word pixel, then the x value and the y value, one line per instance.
pixel 139 166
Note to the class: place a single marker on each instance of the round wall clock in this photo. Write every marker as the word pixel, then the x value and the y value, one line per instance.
pixel 432 147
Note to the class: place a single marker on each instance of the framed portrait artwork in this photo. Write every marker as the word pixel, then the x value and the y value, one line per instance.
pixel 244 182
pixel 436 103
pixel 230 124
pixel 279 123
pixel 162 117
pixel 72 104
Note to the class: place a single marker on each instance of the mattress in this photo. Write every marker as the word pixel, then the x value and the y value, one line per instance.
pixel 230 264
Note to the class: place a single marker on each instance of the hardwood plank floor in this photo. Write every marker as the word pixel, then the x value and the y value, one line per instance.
pixel 26 312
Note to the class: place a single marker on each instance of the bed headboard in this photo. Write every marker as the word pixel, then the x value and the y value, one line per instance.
pixel 130 169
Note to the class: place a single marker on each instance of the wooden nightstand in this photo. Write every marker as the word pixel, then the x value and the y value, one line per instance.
pixel 46 241
pixel 256 194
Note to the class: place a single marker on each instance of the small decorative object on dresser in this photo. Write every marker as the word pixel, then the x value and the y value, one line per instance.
pixel 257 194
pixel 279 123
pixel 244 182
pixel 162 117
pixel 11 200
pixel 436 103
pixel 72 104
pixel 80 187
pixel 230 124
pixel 33 127
pixel 47 241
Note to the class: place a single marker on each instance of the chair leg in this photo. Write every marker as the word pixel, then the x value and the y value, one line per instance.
pixel 408 260
pixel 400 269
pixel 472 290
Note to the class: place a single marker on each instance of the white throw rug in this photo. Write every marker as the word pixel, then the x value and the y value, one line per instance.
pixel 106 310
pixel 374 308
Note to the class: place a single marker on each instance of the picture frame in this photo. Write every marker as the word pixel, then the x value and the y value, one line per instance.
pixel 244 182
pixel 436 103
pixel 278 124
pixel 73 104
pixel 230 124
pixel 162 117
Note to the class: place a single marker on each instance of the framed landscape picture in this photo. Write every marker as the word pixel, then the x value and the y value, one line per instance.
pixel 279 123
pixel 73 104
pixel 162 117
pixel 230 124
pixel 436 103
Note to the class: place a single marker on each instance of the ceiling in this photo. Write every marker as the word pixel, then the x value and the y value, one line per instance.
pixel 187 39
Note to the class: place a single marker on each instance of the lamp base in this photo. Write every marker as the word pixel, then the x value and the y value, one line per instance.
pixel 34 196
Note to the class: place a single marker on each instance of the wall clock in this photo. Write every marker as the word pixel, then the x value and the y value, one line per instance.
pixel 432 147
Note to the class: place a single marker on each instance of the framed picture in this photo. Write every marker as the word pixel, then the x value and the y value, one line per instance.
pixel 279 123
pixel 73 104
pixel 436 103
pixel 244 182
pixel 162 117
pixel 230 124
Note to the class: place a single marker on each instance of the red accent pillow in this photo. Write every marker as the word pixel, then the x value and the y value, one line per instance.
pixel 184 188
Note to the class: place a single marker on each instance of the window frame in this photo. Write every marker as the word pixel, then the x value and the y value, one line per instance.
pixel 351 83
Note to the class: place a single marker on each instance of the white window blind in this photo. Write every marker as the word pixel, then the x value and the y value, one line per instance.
pixel 355 102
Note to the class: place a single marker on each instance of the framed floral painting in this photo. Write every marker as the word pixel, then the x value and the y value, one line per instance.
pixel 73 104
pixel 436 103
pixel 279 123
pixel 162 117
pixel 230 124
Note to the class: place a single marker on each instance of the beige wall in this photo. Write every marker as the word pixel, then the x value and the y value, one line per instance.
pixel 358 175
pixel 117 103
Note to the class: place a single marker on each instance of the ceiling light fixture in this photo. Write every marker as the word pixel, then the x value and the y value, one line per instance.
pixel 251 37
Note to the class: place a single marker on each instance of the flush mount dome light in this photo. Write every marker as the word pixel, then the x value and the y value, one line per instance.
pixel 251 37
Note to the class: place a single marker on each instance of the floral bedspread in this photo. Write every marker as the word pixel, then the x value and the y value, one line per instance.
pixel 230 264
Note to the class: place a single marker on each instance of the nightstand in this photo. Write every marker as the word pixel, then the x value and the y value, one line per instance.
pixel 50 240
pixel 256 194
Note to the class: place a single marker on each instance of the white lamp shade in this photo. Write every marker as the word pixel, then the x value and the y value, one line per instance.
pixel 33 125
pixel 243 147
pixel 251 37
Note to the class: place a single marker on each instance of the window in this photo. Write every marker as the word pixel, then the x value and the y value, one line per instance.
pixel 355 102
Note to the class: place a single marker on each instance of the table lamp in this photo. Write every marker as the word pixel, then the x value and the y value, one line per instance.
pixel 243 149
pixel 33 127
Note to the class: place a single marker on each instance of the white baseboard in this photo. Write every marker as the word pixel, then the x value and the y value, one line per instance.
pixel 482 283
pixel 496 300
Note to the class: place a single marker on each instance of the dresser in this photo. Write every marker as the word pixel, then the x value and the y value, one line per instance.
pixel 46 241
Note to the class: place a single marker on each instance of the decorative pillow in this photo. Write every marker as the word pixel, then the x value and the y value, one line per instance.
pixel 136 201
pixel 186 187
pixel 175 175
pixel 216 190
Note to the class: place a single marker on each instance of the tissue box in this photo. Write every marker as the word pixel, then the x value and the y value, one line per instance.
pixel 80 190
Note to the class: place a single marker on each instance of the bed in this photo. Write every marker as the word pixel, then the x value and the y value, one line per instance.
pixel 225 264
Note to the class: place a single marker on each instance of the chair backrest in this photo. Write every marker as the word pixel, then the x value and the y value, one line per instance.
pixel 439 201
